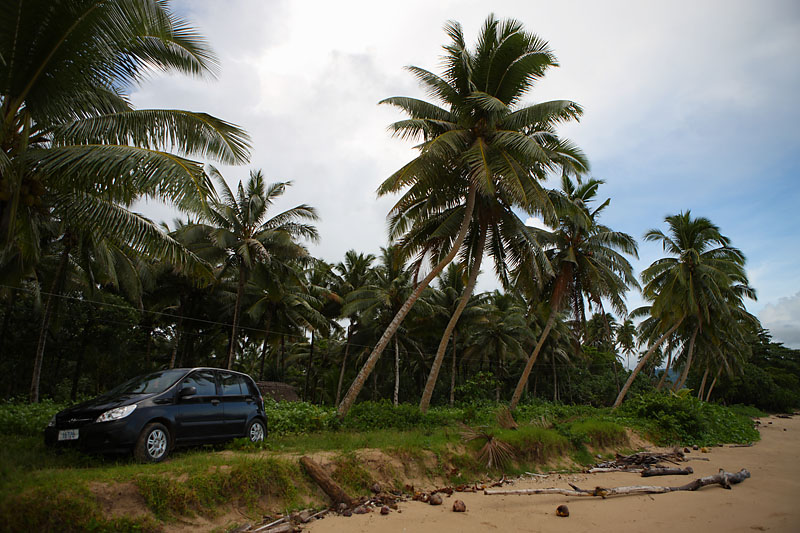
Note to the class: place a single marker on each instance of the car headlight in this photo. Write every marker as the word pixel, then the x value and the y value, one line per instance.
pixel 116 413
pixel 52 422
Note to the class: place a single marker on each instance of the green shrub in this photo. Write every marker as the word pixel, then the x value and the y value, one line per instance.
pixel 683 419
pixel 298 417
pixel 597 433
pixel 18 417
pixel 534 444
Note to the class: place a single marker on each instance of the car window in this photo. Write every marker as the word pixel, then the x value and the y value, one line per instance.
pixel 233 384
pixel 203 380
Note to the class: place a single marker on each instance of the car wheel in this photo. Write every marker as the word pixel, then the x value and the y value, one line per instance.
pixel 153 444
pixel 256 432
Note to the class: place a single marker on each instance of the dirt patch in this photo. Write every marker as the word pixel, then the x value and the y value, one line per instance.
pixel 119 499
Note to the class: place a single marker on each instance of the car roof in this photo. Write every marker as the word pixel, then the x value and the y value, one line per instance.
pixel 192 369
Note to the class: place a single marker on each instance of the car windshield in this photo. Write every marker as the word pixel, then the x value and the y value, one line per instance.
pixel 154 382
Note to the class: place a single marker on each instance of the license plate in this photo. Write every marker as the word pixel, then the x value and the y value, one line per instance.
pixel 68 434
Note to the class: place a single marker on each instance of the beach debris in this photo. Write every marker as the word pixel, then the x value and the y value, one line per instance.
pixel 562 510
pixel 783 416
pixel 723 478
pixel 435 499
pixel 361 509
pixel 637 462
pixel 385 510
pixel 695 447
pixel 325 482
pixel 375 488
pixel 687 450
pixel 748 445
pixel 649 472
pixel 459 506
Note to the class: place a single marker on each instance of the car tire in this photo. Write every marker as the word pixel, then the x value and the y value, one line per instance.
pixel 153 444
pixel 256 431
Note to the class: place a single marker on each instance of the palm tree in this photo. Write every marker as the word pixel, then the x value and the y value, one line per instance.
pixel 587 259
pixel 701 275
pixel 446 300
pixel 379 301
pixel 626 338
pixel 479 140
pixel 74 151
pixel 354 273
pixel 238 225
pixel 500 335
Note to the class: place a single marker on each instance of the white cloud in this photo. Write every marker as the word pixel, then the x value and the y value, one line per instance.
pixel 782 319
pixel 685 102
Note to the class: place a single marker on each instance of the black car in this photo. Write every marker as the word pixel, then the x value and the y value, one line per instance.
pixel 153 413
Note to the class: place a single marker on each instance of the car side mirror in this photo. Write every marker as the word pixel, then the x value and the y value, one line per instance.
pixel 187 391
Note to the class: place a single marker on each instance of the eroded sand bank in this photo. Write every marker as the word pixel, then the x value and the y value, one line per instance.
pixel 768 501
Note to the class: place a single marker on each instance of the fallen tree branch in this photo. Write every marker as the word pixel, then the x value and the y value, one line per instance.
pixel 724 479
pixel 649 472
pixel 325 482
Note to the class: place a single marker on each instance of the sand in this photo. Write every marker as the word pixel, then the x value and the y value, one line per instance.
pixel 768 501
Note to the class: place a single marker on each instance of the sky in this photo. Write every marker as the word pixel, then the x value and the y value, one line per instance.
pixel 688 106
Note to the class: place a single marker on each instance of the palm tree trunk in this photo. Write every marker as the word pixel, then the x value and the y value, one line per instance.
pixel 555 380
pixel 7 319
pixel 239 291
pixel 55 290
pixel 372 360
pixel 714 382
pixel 453 373
pixel 702 385
pixel 308 367
pixel 282 362
pixel 532 359
pixel 396 372
pixel 642 362
pixel 267 325
pixel 666 370
pixel 679 384
pixel 178 336
pixel 425 402
pixel 344 362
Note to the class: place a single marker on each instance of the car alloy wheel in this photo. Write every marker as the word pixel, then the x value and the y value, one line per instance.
pixel 156 444
pixel 256 432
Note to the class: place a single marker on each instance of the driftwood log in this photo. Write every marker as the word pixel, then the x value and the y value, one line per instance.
pixel 650 472
pixel 328 485
pixel 724 479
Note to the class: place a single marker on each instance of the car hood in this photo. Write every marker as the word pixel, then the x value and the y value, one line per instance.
pixel 97 406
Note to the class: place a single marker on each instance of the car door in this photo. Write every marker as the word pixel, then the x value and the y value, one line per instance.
pixel 237 401
pixel 199 417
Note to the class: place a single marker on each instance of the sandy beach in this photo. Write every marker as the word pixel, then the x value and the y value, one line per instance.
pixel 768 501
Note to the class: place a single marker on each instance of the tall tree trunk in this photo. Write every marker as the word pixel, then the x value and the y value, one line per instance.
pixel 396 372
pixel 55 291
pixel 372 360
pixel 7 319
pixel 666 370
pixel 714 382
pixel 643 361
pixel 453 373
pixel 555 380
pixel 267 325
pixel 178 336
pixel 308 367
pixel 526 372
pixel 679 384
pixel 702 385
pixel 282 362
pixel 425 402
pixel 237 305
pixel 344 362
